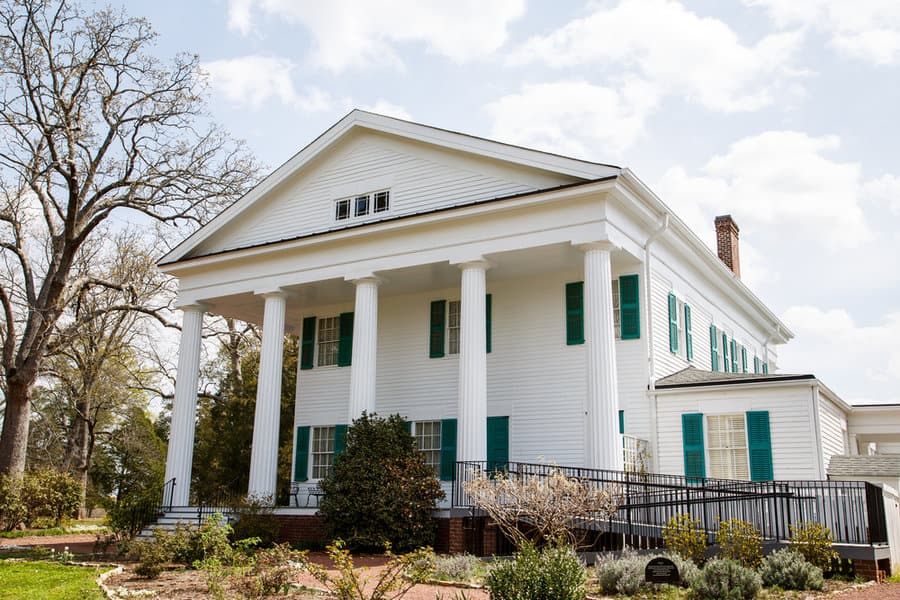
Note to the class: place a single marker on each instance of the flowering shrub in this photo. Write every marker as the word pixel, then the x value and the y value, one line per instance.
pixel 685 537
pixel 740 541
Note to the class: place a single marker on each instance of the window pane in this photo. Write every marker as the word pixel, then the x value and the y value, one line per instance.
pixel 382 201
pixel 428 441
pixel 362 206
pixel 617 322
pixel 342 210
pixel 329 337
pixel 727 440
pixel 322 451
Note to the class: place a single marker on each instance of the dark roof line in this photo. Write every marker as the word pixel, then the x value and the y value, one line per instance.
pixel 392 219
pixel 767 378
pixel 693 377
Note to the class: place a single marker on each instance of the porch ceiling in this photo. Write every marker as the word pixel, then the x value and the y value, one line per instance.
pixel 516 264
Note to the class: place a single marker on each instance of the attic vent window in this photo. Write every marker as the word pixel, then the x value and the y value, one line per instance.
pixel 362 205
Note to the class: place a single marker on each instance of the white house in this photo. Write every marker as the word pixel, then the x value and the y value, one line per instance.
pixel 513 305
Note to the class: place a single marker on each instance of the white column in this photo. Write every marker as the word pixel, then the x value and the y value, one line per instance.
pixel 472 406
pixel 184 406
pixel 365 343
pixel 264 452
pixel 603 446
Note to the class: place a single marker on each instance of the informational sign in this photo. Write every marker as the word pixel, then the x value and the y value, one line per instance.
pixel 661 570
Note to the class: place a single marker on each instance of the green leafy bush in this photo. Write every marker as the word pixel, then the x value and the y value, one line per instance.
pixel 204 547
pixel 152 556
pixel 256 519
pixel 459 567
pixel 49 493
pixel 554 572
pixel 788 570
pixel 684 536
pixel 380 489
pixel 625 574
pixel 741 542
pixel 12 509
pixel 725 579
pixel 813 541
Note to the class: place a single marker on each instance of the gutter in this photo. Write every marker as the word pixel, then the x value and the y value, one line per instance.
pixel 817 420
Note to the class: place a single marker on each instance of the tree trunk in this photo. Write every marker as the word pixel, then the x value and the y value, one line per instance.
pixel 16 418
pixel 79 448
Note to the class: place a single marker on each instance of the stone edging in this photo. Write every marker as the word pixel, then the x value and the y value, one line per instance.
pixel 101 579
pixel 457 584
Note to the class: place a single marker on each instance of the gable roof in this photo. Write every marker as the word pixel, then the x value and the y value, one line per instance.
pixel 444 138
pixel 694 377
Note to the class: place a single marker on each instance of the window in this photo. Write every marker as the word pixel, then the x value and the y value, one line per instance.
pixel 382 201
pixel 428 442
pixel 322 451
pixel 453 327
pixel 679 315
pixel 727 443
pixel 342 210
pixel 362 206
pixel 329 340
pixel 617 317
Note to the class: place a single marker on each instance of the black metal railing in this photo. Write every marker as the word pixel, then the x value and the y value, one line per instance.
pixel 223 499
pixel 853 510
pixel 143 511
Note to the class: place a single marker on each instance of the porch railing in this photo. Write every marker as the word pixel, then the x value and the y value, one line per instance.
pixel 852 510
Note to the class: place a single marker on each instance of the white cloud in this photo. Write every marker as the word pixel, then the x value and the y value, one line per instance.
pixel 573 117
pixel 865 29
pixel 885 191
pixel 699 58
pixel 350 33
pixel 383 107
pixel 855 356
pixel 251 81
pixel 778 180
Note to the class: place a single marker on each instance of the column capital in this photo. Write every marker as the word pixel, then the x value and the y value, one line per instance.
pixel 477 263
pixel 193 306
pixel 274 292
pixel 597 245
pixel 359 279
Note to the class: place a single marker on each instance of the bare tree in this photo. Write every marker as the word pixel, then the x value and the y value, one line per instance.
pixel 542 507
pixel 91 125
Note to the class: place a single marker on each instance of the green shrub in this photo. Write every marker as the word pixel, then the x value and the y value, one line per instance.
pixel 380 489
pixel 553 572
pixel 152 556
pixel 788 570
pixel 741 542
pixel 270 572
pixel 625 574
pixel 205 547
pixel 813 541
pixel 725 579
pixel 49 493
pixel 459 567
pixel 684 536
pixel 12 509
pixel 256 519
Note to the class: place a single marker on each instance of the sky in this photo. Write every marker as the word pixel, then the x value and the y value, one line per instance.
pixel 782 113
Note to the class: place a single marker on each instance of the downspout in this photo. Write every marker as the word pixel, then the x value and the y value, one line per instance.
pixel 654 446
pixel 817 422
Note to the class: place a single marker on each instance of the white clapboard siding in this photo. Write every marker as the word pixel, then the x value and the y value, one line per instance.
pixel 791 422
pixel 420 179
pixel 533 376
pixel 833 423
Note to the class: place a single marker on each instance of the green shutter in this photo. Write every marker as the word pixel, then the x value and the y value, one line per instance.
pixel 734 356
pixel 744 358
pixel 575 313
pixel 726 366
pixel 766 368
pixel 759 444
pixel 340 439
pixel 345 343
pixel 308 343
pixel 756 364
pixel 436 335
pixel 301 454
pixel 713 348
pixel 497 443
pixel 407 426
pixel 673 323
pixel 448 449
pixel 629 307
pixel 487 322
pixel 692 436
pixel 622 421
pixel 688 337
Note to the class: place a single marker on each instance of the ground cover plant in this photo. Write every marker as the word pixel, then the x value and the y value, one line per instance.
pixel 624 574
pixel 460 567
pixel 553 571
pixel 788 570
pixel 48 580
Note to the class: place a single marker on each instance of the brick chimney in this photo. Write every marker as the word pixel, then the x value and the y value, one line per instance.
pixel 727 234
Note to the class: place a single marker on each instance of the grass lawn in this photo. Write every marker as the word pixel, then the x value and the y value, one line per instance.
pixel 47 580
pixel 81 526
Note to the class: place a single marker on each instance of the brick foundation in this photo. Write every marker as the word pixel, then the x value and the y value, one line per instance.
pixel 873 570
pixel 302 528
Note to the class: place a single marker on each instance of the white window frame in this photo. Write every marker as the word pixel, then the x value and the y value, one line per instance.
pixel 424 432
pixel 371 199
pixel 321 451
pixel 738 464
pixel 327 350
pixel 452 329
